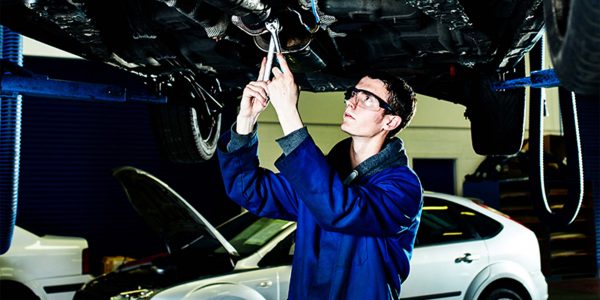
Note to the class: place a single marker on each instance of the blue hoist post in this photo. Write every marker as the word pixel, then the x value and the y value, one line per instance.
pixel 15 81
pixel 10 141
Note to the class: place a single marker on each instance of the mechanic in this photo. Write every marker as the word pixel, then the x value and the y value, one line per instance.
pixel 357 209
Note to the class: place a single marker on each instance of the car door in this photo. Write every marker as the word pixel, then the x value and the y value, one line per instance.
pixel 448 253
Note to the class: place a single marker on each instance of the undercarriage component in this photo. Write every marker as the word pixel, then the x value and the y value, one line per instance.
pixel 253 12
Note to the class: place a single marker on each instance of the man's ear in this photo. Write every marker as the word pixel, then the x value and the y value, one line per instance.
pixel 391 122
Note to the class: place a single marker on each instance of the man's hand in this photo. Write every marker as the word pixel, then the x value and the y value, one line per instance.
pixel 282 88
pixel 254 101
pixel 284 95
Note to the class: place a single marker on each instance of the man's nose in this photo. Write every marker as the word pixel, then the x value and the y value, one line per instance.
pixel 352 102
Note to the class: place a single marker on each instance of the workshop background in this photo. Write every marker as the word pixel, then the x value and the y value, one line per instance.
pixel 69 149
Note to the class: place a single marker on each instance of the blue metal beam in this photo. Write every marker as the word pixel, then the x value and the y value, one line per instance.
pixel 72 90
pixel 538 79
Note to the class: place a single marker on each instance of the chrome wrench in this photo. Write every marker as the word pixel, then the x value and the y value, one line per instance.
pixel 274 46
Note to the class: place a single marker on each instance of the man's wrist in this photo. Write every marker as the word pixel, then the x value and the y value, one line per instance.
pixel 290 120
pixel 244 125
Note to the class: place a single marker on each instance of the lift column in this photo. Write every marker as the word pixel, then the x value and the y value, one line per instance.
pixel 10 141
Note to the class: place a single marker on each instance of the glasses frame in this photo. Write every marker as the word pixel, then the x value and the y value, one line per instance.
pixel 353 90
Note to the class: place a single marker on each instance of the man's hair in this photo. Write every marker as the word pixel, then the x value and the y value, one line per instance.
pixel 402 98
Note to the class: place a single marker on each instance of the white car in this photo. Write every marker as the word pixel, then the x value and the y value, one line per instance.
pixel 464 250
pixel 45 268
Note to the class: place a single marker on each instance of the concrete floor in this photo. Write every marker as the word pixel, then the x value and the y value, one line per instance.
pixel 574 289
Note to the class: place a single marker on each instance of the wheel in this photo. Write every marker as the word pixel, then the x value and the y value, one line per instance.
pixel 188 127
pixel 574 42
pixel 497 117
pixel 502 294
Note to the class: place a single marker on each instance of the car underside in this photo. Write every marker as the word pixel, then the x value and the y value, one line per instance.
pixel 329 43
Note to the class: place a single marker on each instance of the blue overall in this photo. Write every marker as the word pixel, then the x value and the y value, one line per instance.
pixel 356 227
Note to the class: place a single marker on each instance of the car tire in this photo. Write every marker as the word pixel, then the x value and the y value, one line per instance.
pixel 497 117
pixel 188 127
pixel 502 294
pixel 573 34
pixel 182 137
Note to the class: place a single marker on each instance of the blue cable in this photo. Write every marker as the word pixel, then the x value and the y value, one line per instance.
pixel 314 9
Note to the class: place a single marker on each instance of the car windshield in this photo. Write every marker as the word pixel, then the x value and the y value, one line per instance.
pixel 247 233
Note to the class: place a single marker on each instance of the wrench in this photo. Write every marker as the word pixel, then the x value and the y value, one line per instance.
pixel 274 46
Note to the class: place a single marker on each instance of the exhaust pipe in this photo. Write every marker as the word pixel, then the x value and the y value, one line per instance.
pixel 211 13
pixel 252 12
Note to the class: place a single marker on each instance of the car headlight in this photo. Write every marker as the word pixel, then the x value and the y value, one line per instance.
pixel 141 294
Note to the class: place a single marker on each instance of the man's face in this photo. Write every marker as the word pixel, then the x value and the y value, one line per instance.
pixel 359 120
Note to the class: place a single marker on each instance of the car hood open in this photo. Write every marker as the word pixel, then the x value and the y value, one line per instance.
pixel 165 211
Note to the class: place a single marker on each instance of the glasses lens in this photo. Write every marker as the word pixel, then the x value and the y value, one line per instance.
pixel 368 101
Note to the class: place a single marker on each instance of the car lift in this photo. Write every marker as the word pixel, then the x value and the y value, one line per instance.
pixel 15 81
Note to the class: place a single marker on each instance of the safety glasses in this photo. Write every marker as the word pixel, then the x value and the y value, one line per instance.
pixel 366 99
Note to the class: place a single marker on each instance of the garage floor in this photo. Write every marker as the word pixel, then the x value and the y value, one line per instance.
pixel 574 289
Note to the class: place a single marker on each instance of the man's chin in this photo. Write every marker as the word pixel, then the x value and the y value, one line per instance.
pixel 345 128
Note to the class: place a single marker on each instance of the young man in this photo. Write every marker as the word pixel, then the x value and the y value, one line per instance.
pixel 357 209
